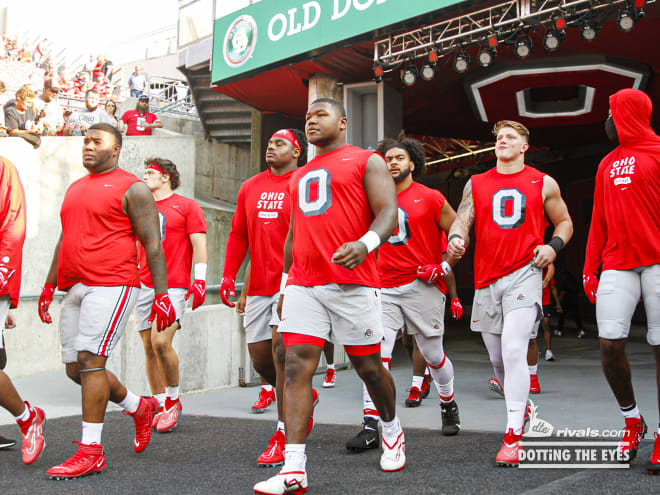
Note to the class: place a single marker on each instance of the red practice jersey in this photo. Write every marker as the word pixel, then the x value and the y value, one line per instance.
pixel 509 222
pixel 330 208
pixel 625 224
pixel 261 221
pixel 417 239
pixel 12 226
pixel 179 217
pixel 98 241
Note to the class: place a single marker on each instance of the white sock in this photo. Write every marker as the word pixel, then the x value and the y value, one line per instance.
pixel 515 416
pixel 267 388
pixel 331 366
pixel 280 426
pixel 161 399
pixel 631 411
pixel 173 392
pixel 446 391
pixel 91 433
pixel 368 407
pixel 294 457
pixel 533 370
pixel 391 429
pixel 131 402
pixel 25 415
pixel 417 382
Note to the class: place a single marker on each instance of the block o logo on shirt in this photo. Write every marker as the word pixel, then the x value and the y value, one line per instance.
pixel 240 40
pixel 509 208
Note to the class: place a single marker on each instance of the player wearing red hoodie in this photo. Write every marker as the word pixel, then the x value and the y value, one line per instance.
pixel 624 244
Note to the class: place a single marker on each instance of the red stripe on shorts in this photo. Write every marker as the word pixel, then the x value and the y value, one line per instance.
pixel 291 338
pixel 115 320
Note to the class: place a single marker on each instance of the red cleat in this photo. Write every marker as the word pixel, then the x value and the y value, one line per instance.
pixel 632 434
pixel 143 418
pixel 88 459
pixel 274 453
pixel 154 422
pixel 653 466
pixel 509 454
pixel 170 416
pixel 32 431
pixel 426 386
pixel 534 385
pixel 330 376
pixel 415 397
pixel 315 400
pixel 264 400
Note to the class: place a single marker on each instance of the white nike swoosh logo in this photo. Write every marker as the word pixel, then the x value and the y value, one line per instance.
pixel 266 223
pixel 416 200
pixel 370 441
pixel 535 181
pixel 108 185
pixel 100 463
pixel 624 188
pixel 345 159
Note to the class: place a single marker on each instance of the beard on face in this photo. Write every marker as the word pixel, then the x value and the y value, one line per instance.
pixel 402 175
pixel 610 130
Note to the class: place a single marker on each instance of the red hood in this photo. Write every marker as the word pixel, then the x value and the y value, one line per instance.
pixel 631 111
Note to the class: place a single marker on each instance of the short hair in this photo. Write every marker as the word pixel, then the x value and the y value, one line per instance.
pixel 91 91
pixel 339 106
pixel 25 92
pixel 520 129
pixel 302 139
pixel 168 167
pixel 110 129
pixel 2 87
pixel 413 147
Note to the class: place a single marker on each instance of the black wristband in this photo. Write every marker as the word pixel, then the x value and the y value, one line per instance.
pixel 556 243
pixel 454 236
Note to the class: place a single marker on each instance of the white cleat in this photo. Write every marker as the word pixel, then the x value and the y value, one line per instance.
pixel 394 455
pixel 294 482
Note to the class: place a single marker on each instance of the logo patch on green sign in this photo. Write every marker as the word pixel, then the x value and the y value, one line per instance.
pixel 240 40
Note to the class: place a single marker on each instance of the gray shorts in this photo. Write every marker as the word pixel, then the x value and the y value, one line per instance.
pixel 260 317
pixel 520 289
pixel 94 318
pixel 145 300
pixel 618 294
pixel 344 314
pixel 417 305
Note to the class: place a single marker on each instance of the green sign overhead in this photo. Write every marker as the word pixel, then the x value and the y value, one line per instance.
pixel 273 31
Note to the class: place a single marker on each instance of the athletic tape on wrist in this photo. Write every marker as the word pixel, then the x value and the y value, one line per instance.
pixel 371 240
pixel 446 267
pixel 556 243
pixel 200 271
pixel 285 277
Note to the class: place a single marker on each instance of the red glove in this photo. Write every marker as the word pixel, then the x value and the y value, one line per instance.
pixel 5 275
pixel 227 290
pixel 198 291
pixel 590 283
pixel 45 299
pixel 162 311
pixel 431 273
pixel 456 308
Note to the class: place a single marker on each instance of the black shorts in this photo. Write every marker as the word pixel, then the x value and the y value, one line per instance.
pixel 547 310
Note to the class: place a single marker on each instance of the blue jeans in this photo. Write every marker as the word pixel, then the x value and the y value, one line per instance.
pixel 136 93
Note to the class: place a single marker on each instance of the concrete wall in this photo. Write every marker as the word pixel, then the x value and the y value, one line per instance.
pixel 212 344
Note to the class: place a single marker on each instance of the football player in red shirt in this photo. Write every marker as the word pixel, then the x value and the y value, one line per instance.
pixel 95 262
pixel 260 223
pixel 343 206
pixel 30 419
pixel 412 273
pixel 624 244
pixel 508 206
pixel 183 233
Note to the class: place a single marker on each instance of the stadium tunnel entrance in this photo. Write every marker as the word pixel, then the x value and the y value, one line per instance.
pixel 445 72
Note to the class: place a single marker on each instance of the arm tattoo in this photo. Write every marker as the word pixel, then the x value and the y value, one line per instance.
pixel 464 214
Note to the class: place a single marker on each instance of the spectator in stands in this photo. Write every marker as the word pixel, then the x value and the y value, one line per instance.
pixel 24 54
pixel 81 84
pixel 40 51
pixel 50 71
pixel 21 119
pixel 98 68
pixel 62 80
pixel 108 69
pixel 81 120
pixel 52 114
pixel 137 82
pixel 90 64
pixel 102 86
pixel 111 109
pixel 140 121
